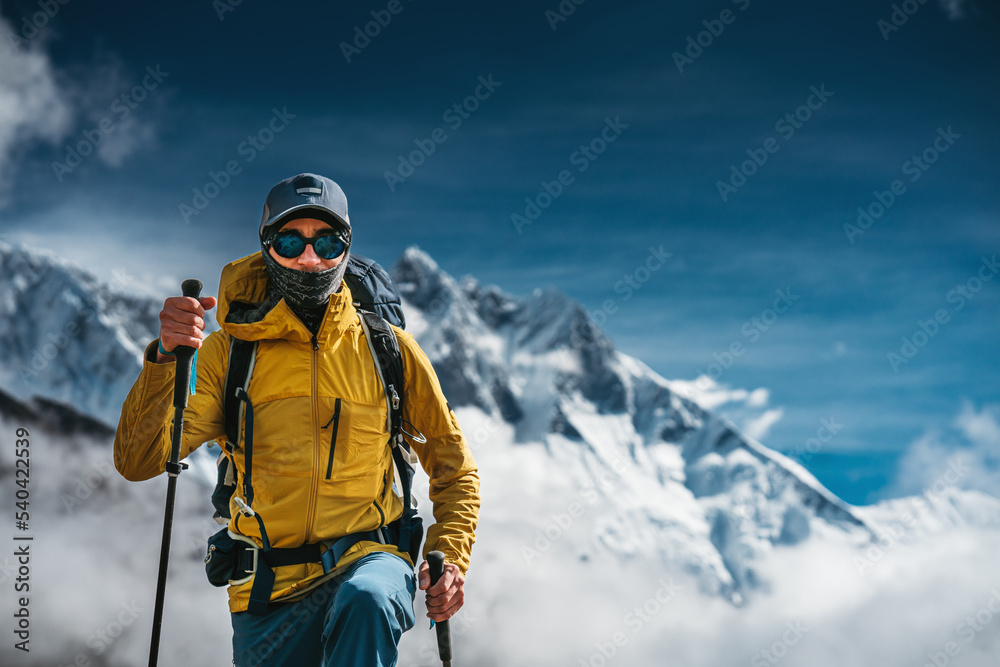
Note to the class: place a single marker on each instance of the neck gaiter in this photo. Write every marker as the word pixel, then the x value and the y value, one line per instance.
pixel 307 293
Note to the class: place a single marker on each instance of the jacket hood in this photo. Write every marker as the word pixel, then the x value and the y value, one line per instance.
pixel 245 311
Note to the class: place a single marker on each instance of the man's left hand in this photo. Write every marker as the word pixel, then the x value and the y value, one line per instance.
pixel 447 596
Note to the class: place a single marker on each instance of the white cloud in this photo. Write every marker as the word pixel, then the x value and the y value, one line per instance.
pixel 974 441
pixel 32 105
pixel 758 427
pixel 982 428
pixel 747 409
pixel 42 103
pixel 709 394
pixel 98 93
pixel 562 611
pixel 758 397
pixel 129 136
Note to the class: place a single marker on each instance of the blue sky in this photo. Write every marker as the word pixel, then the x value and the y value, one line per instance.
pixel 820 106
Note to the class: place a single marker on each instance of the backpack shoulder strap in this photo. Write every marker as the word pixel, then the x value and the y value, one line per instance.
pixel 389 365
pixel 242 355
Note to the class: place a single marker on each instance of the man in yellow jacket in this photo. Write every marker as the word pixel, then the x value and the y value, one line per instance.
pixel 320 464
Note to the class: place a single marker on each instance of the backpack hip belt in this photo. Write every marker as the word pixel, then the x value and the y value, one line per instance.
pixel 260 563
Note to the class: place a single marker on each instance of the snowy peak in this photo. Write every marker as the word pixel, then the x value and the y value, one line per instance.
pixel 65 336
pixel 488 344
pixel 426 286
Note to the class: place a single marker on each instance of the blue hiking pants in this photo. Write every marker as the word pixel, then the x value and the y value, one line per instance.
pixel 354 619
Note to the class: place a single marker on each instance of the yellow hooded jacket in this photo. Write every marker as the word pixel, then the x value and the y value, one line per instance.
pixel 314 477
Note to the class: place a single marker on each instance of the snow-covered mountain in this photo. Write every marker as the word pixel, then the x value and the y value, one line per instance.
pixel 586 454
pixel 67 337
pixel 688 488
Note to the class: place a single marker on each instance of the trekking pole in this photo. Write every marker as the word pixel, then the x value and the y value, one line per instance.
pixel 435 563
pixel 182 381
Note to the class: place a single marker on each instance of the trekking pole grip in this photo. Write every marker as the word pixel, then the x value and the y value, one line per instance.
pixel 435 565
pixel 191 287
pixel 184 353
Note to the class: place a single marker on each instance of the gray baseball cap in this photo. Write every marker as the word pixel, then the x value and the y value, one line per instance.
pixel 306 193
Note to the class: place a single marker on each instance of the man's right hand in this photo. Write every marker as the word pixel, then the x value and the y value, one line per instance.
pixel 182 322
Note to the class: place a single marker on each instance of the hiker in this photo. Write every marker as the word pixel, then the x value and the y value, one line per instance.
pixel 320 549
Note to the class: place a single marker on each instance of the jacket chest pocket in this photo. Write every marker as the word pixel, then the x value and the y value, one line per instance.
pixel 356 447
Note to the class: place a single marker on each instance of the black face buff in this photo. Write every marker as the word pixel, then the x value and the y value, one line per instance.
pixel 307 293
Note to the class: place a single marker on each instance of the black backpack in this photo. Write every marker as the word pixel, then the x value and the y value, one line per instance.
pixel 378 303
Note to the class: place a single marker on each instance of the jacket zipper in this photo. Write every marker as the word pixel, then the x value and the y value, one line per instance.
pixel 333 436
pixel 314 482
